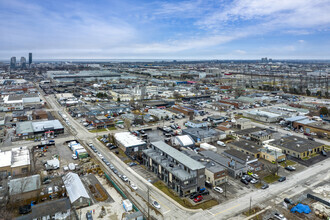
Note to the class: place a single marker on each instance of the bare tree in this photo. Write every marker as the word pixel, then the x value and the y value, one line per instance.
pixel 127 123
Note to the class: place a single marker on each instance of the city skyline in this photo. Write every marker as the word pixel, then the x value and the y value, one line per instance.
pixel 165 30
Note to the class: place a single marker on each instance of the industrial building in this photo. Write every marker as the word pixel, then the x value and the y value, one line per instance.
pixel 30 129
pixel 129 143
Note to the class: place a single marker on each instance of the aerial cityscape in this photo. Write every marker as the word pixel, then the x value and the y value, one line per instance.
pixel 165 110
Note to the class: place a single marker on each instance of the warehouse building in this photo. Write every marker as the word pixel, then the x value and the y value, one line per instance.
pixel 129 143
pixel 30 129
pixel 76 191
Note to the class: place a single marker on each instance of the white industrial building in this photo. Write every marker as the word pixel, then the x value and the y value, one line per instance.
pixel 183 141
pixel 160 113
pixel 76 191
pixel 262 115
pixel 129 143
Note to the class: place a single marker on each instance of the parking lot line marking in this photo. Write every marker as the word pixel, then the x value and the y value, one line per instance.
pixel 226 210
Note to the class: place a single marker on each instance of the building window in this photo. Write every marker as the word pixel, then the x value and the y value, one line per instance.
pixel 25 170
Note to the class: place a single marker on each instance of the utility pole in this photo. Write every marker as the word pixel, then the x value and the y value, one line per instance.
pixel 148 203
pixel 226 188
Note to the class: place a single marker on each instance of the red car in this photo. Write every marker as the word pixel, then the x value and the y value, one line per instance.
pixel 198 199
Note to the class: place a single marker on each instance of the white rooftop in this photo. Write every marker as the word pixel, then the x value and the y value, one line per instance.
pixel 74 187
pixel 5 158
pixel 25 184
pixel 185 140
pixel 20 156
pixel 128 140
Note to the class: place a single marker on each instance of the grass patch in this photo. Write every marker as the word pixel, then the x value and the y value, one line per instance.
pixel 271 178
pixel 127 161
pixel 258 185
pixel 252 211
pixel 287 163
pixel 98 130
pixel 184 201
pixel 112 128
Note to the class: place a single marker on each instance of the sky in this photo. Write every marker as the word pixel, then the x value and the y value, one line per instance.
pixel 172 29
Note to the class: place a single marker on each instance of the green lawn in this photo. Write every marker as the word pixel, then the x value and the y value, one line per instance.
pixel 271 178
pixel 98 130
pixel 258 185
pixel 112 128
pixel 184 201
pixel 287 163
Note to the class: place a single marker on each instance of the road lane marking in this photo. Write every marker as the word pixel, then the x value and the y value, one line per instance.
pixel 226 210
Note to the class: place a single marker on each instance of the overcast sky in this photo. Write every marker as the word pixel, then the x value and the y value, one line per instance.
pixel 135 29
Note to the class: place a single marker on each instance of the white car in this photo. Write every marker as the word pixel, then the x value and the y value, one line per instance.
pixel 255 176
pixel 74 157
pixel 100 155
pixel 50 190
pixel 156 204
pixel 253 181
pixel 279 216
pixel 133 186
pixel 218 189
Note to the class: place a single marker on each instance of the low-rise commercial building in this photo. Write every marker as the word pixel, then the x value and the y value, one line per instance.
pixel 204 135
pixel 196 124
pixel 129 143
pixel 297 147
pixel 180 172
pixel 25 188
pixel 15 162
pixel 30 129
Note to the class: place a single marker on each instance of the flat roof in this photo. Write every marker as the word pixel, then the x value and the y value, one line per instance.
pixel 297 144
pixel 20 157
pixel 5 158
pixel 25 184
pixel 296 118
pixel 128 140
pixel 178 156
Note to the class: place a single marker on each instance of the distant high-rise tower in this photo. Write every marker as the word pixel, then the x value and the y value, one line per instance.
pixel 13 62
pixel 30 58
pixel 23 62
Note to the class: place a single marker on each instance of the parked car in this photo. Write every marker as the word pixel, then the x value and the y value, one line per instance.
pixel 254 181
pixel 124 178
pixel 193 195
pixel 282 179
pixel 255 176
pixel 311 138
pixel 218 189
pixel 204 192
pixel 133 186
pixel 247 178
pixel 24 209
pixel 74 157
pixel 324 153
pixel 290 168
pixel 131 164
pixel 307 134
pixel 279 216
pixel 198 198
pixel 50 190
pixel 265 186
pixel 155 204
pixel 288 201
pixel 244 181
pixel 89 216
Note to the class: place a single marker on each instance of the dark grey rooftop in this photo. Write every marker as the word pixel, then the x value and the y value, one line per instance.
pixel 296 143
pixel 200 132
pixel 177 155
pixel 247 145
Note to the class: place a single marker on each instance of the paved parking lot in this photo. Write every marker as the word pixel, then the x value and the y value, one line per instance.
pixel 145 173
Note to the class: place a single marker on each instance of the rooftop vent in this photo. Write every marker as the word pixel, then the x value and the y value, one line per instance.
pixel 298 145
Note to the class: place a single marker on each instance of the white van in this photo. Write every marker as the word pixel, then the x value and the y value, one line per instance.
pixel 220 143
